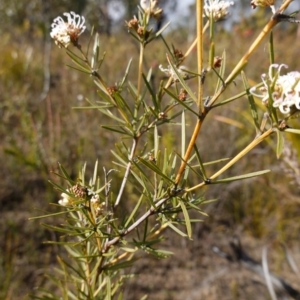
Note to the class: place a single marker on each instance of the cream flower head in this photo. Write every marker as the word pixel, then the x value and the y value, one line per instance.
pixel 285 92
pixel 218 8
pixel 68 32
pixel 66 200
pixel 150 6
pixel 146 4
pixel 169 71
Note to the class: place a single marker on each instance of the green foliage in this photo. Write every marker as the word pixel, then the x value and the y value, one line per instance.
pixel 108 222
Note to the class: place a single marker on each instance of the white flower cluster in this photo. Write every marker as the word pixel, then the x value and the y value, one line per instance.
pixel 286 93
pixel 66 200
pixel 68 32
pixel 151 7
pixel 148 4
pixel 171 73
pixel 218 8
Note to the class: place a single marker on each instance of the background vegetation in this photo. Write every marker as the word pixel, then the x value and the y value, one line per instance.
pixel 39 128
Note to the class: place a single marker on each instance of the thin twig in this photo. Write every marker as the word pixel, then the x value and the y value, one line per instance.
pixel 150 212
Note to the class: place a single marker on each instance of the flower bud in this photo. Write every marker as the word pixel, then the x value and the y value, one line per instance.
pixel 263 3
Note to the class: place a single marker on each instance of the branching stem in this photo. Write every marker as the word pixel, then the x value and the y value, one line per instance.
pixel 244 60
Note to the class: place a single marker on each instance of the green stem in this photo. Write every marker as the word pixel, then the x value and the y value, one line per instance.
pixel 200 31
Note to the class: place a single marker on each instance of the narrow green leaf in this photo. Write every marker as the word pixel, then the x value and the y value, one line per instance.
pixel 291 130
pixel 82 174
pixel 251 102
pixel 108 113
pixel 173 167
pixel 145 230
pixel 163 253
pixel 63 170
pixel 59 229
pixel 152 93
pixel 102 87
pixel 122 105
pixel 133 90
pixel 130 250
pixel 160 189
pixel 201 165
pixel 89 42
pixel 95 269
pixel 186 219
pixel 209 201
pixel 182 103
pixel 280 143
pixel 167 46
pixel 73 251
pixel 144 181
pixel 108 288
pixel 122 265
pixel 79 62
pixel 189 165
pixel 198 209
pixel 183 134
pixel 155 169
pixel 176 229
pixel 148 186
pixel 241 177
pixel 95 173
pixel 58 187
pixel 158 33
pixel 134 212
pixel 121 159
pixel 183 83
pixel 113 128
pixel 156 142
pixel 226 101
pixel 104 96
pixel 79 273
pixel 215 161
pixel 73 54
pixel 165 161
pixel 51 215
pixel 126 73
pixel 82 70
